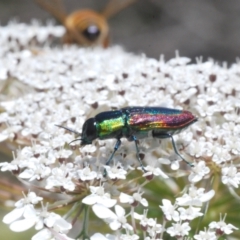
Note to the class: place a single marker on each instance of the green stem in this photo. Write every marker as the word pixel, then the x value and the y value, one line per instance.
pixel 84 232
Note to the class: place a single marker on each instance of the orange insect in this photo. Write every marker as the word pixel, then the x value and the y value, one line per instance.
pixel 85 27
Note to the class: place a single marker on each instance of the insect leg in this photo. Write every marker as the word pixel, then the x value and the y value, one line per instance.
pixel 116 147
pixel 138 156
pixel 167 135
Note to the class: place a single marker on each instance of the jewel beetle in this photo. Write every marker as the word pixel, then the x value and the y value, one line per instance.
pixel 135 123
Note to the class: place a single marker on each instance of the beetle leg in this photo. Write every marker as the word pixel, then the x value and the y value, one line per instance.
pixel 137 150
pixel 116 147
pixel 167 135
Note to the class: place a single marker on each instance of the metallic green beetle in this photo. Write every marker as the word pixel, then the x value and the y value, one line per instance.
pixel 135 123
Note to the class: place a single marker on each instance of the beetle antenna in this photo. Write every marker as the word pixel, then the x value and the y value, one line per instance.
pixel 77 139
pixel 69 129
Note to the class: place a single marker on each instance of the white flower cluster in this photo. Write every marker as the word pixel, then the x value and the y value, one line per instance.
pixel 24 216
pixel 43 87
pixel 18 36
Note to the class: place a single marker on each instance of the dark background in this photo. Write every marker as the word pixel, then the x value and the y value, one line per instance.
pixel 208 28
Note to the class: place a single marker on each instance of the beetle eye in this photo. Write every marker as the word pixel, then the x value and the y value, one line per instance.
pixel 92 32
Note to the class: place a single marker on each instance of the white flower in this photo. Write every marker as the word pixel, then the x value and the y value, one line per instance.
pixel 46 234
pixel 62 177
pixel 233 143
pixel 26 216
pixel 231 176
pixel 206 235
pixel 175 165
pixel 231 127
pixel 35 171
pixel 62 153
pixel 9 132
pixel 222 228
pixel 205 109
pixel 195 197
pixel 155 229
pixel 198 172
pixel 31 198
pixel 52 221
pixel 178 229
pixel 197 147
pixel 21 161
pixel 86 174
pixel 171 160
pixel 232 116
pixel 88 149
pixel 115 172
pixel 186 95
pixel 154 171
pixel 213 132
pixel 144 221
pixel 116 220
pixel 99 196
pixel 220 155
pixel 16 214
pixel 28 219
pixel 190 213
pixel 134 199
pixel 179 61
pixel 23 207
pixel 169 210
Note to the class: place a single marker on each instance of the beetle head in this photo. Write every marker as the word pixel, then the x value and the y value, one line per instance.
pixel 89 131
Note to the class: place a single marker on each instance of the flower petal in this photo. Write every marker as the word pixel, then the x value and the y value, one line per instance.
pixel 103 212
pixel 22 225
pixel 13 215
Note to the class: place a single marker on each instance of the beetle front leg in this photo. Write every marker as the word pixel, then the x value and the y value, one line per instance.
pixel 116 147
pixel 167 135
